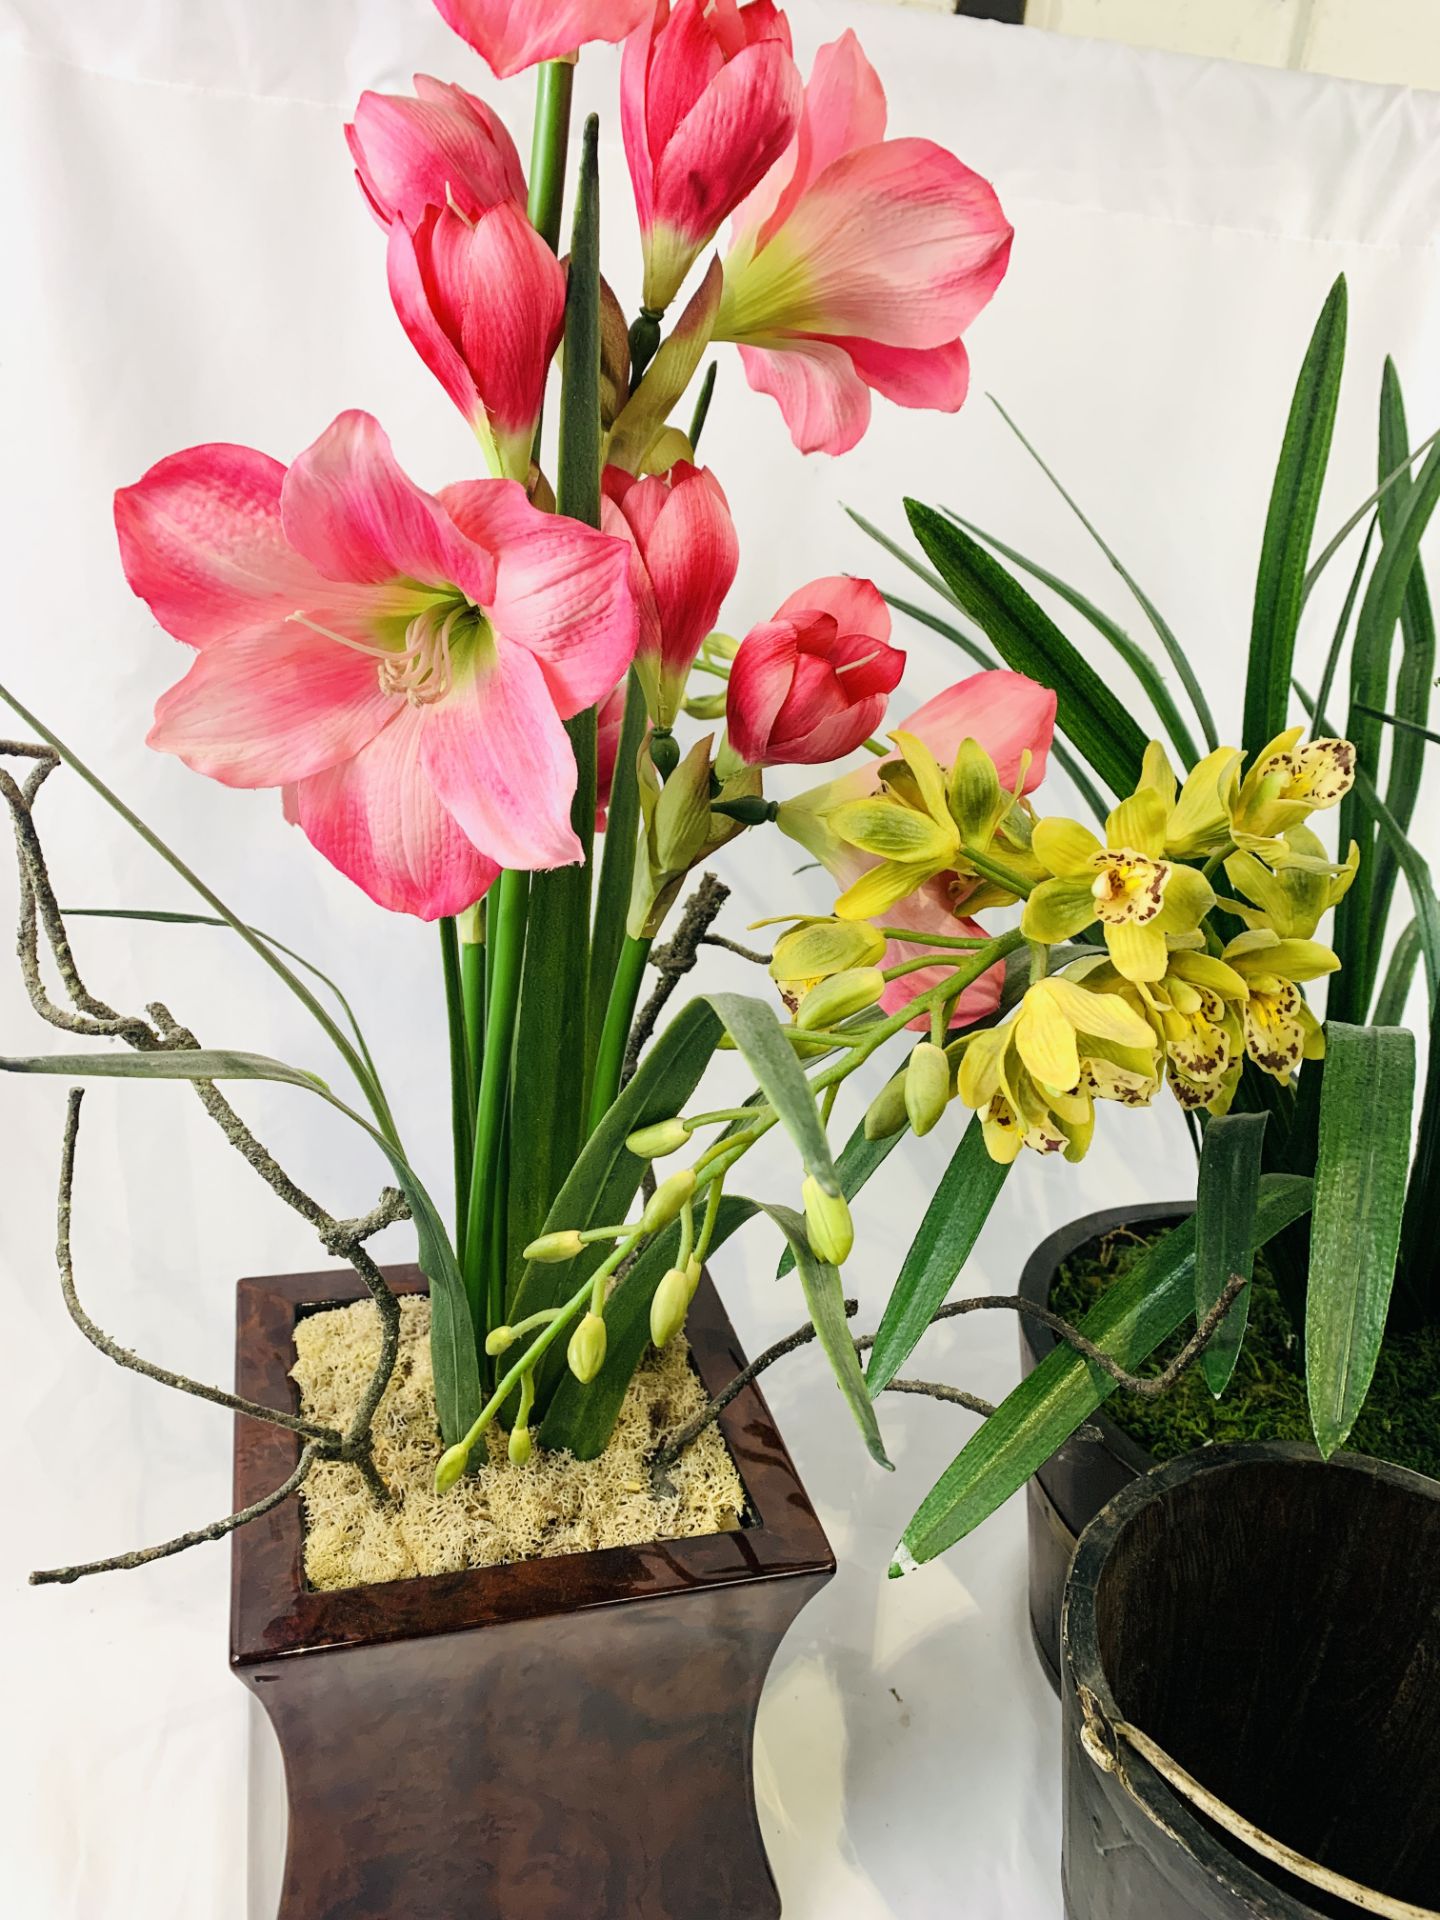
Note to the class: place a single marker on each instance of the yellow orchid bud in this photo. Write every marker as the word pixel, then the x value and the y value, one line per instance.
pixel 451 1464
pixel 586 1351
pixel 521 1446
pixel 667 1201
pixel 839 996
pixel 886 1113
pixel 668 1306
pixel 927 1086
pixel 654 1142
pixel 555 1246
pixel 499 1339
pixel 828 1222
pixel 818 948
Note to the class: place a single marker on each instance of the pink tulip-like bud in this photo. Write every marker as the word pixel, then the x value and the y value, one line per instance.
pixel 812 683
pixel 515 34
pixel 444 148
pixel 709 100
pixel 683 560
pixel 483 302
pixel 858 262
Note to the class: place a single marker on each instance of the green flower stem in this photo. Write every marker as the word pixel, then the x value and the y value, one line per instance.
pixel 1217 860
pixel 1005 876
pixel 462 1097
pixel 507 940
pixel 919 964
pixel 720 1113
pixel 959 941
pixel 554 85
pixel 619 1014
pixel 712 1216
pixel 1039 960
pixel 687 1234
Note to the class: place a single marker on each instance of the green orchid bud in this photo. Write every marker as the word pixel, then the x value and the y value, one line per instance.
pixel 886 1114
pixel 499 1339
pixel 654 1142
pixel 840 996
pixel 451 1466
pixel 586 1352
pixel 828 1222
pixel 555 1246
pixel 668 1201
pixel 818 948
pixel 927 1085
pixel 977 800
pixel 668 1306
pixel 521 1446
pixel 693 1270
pixel 706 706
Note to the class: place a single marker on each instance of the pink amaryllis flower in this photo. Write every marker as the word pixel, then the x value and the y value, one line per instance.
pixel 858 263
pixel 515 34
pixel 400 663
pixel 477 290
pixel 812 684
pixel 1009 715
pixel 683 559
pixel 709 100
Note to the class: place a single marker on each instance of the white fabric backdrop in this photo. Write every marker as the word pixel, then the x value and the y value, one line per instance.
pixel 188 259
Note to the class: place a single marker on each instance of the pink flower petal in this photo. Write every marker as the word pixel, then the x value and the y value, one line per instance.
pixel 732 136
pixel 377 818
pixel 498 755
pixel 562 590
pixel 515 34
pixel 825 403
pixel 1005 712
pixel 266 708
pixel 760 677
pixel 857 605
pixel 443 147
pixel 347 506
pixel 201 541
pixel 411 301
pixel 844 110
pixel 933 377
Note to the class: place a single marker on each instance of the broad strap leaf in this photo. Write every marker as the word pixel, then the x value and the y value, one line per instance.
pixel 753 1026
pixel 1226 1197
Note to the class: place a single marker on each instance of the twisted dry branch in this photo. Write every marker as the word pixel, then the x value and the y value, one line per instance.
pixel 344 1239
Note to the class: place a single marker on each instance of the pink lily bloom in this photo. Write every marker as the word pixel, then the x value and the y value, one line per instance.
pixel 683 559
pixel 858 263
pixel 441 148
pixel 709 100
pixel 813 683
pixel 1009 715
pixel 401 664
pixel 515 34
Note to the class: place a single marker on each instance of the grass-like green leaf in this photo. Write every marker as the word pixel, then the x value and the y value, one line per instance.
pixel 1130 651
pixel 761 1040
pixel 1136 1314
pixel 1226 1196
pixel 1028 641
pixel 452 1333
pixel 960 1207
pixel 1290 524
pixel 617 866
pixel 1342 625
pixel 1360 1180
pixel 1164 633
pixel 1401 725
pixel 1399 976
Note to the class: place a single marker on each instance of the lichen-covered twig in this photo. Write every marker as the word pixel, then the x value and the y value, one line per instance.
pixel 344 1239
pixel 673 961
pixel 734 946
pixel 1147 1385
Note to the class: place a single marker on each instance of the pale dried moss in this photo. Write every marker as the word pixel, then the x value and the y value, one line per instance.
pixel 554 1504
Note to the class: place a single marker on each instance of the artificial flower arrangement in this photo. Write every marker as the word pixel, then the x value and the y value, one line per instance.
pixel 460 693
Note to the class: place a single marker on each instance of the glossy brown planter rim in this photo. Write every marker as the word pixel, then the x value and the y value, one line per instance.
pixel 274 1614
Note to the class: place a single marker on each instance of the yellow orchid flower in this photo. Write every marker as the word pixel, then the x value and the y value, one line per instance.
pixel 1287 783
pixel 1293 893
pixel 1197 819
pixel 1193 1011
pixel 1280 1030
pixel 1137 895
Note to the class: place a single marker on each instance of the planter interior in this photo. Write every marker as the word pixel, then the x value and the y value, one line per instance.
pixel 1272 1622
pixel 558 1737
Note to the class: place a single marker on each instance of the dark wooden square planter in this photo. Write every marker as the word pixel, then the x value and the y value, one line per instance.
pixel 561 1739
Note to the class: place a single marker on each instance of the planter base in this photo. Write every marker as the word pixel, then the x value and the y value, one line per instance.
pixel 555 1739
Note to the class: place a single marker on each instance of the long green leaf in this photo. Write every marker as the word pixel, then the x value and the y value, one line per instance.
pixel 1360 1180
pixel 858 1159
pixel 960 1207
pixel 931 580
pixel 1290 525
pixel 1417 1280
pixel 1130 651
pixel 1079 778
pixel 760 1038
pixel 606 1176
pixel 1135 1315
pixel 1399 975
pixel 1028 641
pixel 1226 1196
pixel 457 1376
pixel 617 866
pixel 581 1419
pixel 1342 625
pixel 1401 726
pixel 1161 627
pixel 825 1298
pixel 1332 547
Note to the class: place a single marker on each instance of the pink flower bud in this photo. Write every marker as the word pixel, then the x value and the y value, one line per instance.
pixel 812 683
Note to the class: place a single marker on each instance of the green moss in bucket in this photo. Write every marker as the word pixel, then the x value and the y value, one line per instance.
pixel 1265 1399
